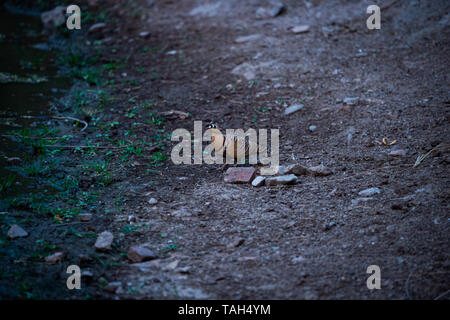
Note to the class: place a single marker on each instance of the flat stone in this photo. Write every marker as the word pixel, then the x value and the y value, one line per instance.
pixel 296 169
pixel 144 34
pixel 398 153
pixel 261 94
pixel 319 171
pixel 148 266
pixel 298 259
pixel 206 10
pixel 240 175
pixel 16 232
pixel 85 217
pixel 248 38
pixel 258 181
pixel 312 128
pixel 280 180
pixel 182 212
pixel 104 241
pixel 54 258
pixel 329 226
pixel 293 108
pixel 236 243
pixel 248 258
pixel 172 265
pixel 300 29
pixel 245 70
pixel 280 170
pixel 351 101
pixel 272 10
pixel 140 254
pixel 87 274
pixel 53 18
pixel 369 192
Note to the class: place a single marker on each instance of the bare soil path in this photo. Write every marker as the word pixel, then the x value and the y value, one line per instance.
pixel 311 240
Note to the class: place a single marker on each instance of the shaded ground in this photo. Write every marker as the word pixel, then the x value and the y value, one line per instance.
pixel 311 240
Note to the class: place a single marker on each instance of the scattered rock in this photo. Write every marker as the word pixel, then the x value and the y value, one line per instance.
pixel 298 259
pixel 87 274
pixel 398 153
pixel 172 265
pixel 296 169
pixel 96 27
pixel 85 217
pixel 236 243
pixel 258 181
pixel 248 258
pixel 245 70
pixel 258 55
pixel 300 29
pixel 293 108
pixel 273 9
pixel 147 266
pixel 369 192
pixel 54 258
pixel 312 128
pixel 53 18
pixel 144 34
pixel 350 132
pixel 104 241
pixel 329 226
pixel 207 10
pixel 184 270
pixel 181 213
pixel 240 175
pixel 261 94
pixel 14 161
pixel 319 171
pixel 355 202
pixel 281 170
pixel 140 253
pixel 280 180
pixel 248 38
pixel 351 101
pixel 152 201
pixel 16 232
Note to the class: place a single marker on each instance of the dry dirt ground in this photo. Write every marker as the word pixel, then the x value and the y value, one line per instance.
pixel 311 240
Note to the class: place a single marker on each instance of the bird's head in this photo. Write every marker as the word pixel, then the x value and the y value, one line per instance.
pixel 212 126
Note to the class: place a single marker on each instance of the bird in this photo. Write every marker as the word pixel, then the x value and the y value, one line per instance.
pixel 230 145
